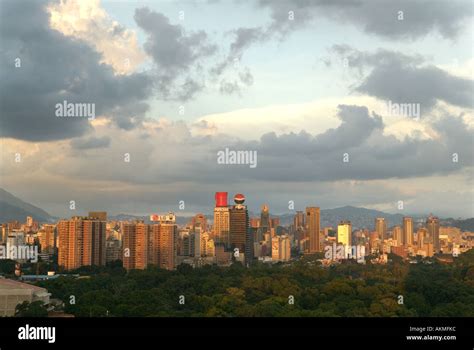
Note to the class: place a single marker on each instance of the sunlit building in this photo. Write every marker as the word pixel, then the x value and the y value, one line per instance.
pixel 313 229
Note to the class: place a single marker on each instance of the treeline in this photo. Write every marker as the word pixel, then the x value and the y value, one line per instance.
pixel 302 288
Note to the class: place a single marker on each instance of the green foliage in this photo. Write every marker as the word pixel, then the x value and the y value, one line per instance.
pixel 346 290
pixel 34 309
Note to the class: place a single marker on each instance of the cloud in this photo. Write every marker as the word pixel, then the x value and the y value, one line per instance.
pixel 56 68
pixel 88 21
pixel 375 17
pixel 90 142
pixel 407 79
pixel 178 54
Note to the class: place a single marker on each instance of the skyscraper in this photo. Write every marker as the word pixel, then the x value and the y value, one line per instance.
pixel 221 220
pixel 199 220
pixel 240 234
pixel 135 245
pixel 432 225
pixel 164 241
pixel 344 233
pixel 298 220
pixel 167 242
pixel 46 238
pixel 81 242
pixel 407 231
pixel 101 215
pixel 381 228
pixel 397 236
pixel 313 224
pixel 281 248
pixel 265 219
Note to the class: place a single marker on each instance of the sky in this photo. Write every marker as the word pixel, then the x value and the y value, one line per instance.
pixel 304 84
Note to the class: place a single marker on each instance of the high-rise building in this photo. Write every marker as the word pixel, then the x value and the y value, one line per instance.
pixel 432 225
pixel 81 242
pixel 407 231
pixel 421 235
pixel 199 220
pixel 113 249
pixel 101 215
pixel 165 242
pixel 265 219
pixel 240 234
pixel 344 233
pixel 221 227
pixel 195 243
pixel 135 245
pixel 397 236
pixel 46 238
pixel 207 246
pixel 381 228
pixel 298 220
pixel 313 225
pixel 281 248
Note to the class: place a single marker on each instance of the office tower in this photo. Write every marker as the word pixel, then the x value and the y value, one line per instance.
pixel 94 241
pixel 265 219
pixel 255 223
pixel 298 220
pixel 101 215
pixel 29 221
pixel 281 248
pixel 374 240
pixel 199 220
pixel 432 225
pixel 221 220
pixel 407 231
pixel 113 249
pixel 165 242
pixel 397 236
pixel 81 242
pixel 207 246
pixel 46 238
pixel 344 233
pixel 195 243
pixel 135 245
pixel 240 234
pixel 313 225
pixel 421 235
pixel 381 228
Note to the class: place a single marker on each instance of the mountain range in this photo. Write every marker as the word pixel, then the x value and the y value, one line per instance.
pixel 13 208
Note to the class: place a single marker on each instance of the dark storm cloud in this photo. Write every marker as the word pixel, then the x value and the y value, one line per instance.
pixel 90 142
pixel 372 154
pixel 381 17
pixel 55 68
pixel 406 79
pixel 168 44
pixel 175 52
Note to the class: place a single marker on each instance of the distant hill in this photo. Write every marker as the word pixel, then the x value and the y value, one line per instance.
pixel 13 208
pixel 464 225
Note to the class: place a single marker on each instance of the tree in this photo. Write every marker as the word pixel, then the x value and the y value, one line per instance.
pixel 34 309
